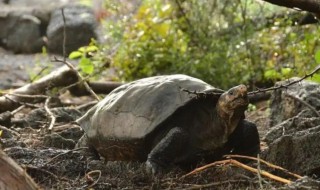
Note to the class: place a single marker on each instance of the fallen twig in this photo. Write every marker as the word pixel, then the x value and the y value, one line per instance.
pixel 259 171
pixel 26 95
pixel 49 112
pixel 64 153
pixel 17 110
pixel 60 77
pixel 241 165
pixel 264 162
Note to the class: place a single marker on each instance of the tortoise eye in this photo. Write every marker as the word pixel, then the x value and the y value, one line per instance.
pixel 231 92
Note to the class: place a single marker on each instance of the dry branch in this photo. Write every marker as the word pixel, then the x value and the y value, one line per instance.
pixel 79 76
pixel 97 87
pixel 60 77
pixel 49 112
pixel 264 162
pixel 13 176
pixel 241 165
pixel 288 84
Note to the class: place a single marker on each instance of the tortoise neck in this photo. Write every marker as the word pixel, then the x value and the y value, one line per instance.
pixel 229 118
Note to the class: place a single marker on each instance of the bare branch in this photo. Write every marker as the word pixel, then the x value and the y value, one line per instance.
pixel 288 84
pixel 306 5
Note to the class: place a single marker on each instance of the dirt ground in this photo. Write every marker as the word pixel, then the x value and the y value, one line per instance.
pixel 50 158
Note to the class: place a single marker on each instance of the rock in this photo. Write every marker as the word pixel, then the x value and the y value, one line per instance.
pixel 284 107
pixel 297 153
pixel 57 141
pixel 303 121
pixel 20 30
pixel 80 28
pixel 293 139
pixel 294 144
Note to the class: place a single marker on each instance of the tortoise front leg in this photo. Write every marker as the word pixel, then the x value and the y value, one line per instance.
pixel 173 148
pixel 245 139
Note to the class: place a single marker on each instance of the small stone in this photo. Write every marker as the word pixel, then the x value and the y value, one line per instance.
pixel 80 28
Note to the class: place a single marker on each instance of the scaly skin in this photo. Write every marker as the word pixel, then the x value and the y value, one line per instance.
pixel 212 131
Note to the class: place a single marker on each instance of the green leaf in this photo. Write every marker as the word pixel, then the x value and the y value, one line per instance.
pixel 75 55
pixel 317 57
pixel 286 71
pixel 86 65
pixel 315 78
pixel 271 74
pixel 92 48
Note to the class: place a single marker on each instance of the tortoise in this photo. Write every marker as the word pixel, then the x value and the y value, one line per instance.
pixel 154 120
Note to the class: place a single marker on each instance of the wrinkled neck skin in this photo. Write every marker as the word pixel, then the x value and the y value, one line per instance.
pixel 230 118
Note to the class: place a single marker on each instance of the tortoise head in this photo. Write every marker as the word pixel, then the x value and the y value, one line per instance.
pixel 232 103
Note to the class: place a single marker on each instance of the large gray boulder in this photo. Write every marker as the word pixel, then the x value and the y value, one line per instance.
pixel 294 138
pixel 21 29
pixel 80 28
pixel 284 107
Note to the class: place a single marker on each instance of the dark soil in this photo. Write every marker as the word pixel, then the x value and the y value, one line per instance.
pixel 51 159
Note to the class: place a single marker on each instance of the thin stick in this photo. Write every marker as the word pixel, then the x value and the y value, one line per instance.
pixel 288 84
pixel 49 112
pixel 264 173
pixel 69 64
pixel 264 162
pixel 64 36
pixel 26 95
pixel 259 172
pixel 21 102
pixel 80 77
pixel 207 166
pixel 64 153
pixel 17 110
pixel 239 164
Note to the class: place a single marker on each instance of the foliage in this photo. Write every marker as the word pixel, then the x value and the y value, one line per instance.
pixel 152 43
pixel 222 42
pixel 91 59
